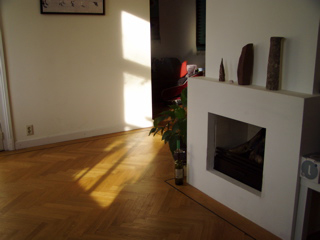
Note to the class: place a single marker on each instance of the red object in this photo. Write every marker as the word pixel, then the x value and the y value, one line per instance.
pixel 183 70
pixel 173 93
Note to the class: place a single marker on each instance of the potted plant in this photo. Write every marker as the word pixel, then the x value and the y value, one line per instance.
pixel 172 124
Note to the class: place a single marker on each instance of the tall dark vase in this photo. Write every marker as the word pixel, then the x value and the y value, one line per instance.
pixel 221 72
pixel 245 65
pixel 274 63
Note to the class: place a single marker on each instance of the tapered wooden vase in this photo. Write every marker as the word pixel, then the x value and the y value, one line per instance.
pixel 221 72
pixel 274 63
pixel 245 65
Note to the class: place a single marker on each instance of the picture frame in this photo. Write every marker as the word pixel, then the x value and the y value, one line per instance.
pixel 89 7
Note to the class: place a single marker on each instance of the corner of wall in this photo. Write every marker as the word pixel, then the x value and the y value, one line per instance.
pixel 316 85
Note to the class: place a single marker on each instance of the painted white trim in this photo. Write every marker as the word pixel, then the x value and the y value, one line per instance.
pixel 5 104
pixel 69 136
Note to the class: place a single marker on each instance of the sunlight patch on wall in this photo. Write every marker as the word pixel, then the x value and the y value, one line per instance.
pixel 137 101
pixel 136 39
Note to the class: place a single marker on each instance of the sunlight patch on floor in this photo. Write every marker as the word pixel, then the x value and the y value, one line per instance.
pixel 106 180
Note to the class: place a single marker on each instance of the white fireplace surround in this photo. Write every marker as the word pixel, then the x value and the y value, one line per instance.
pixel 292 130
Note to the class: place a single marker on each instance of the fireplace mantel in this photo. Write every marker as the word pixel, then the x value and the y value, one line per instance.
pixel 292 130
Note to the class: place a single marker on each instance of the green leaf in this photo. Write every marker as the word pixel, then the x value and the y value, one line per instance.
pixel 152 130
pixel 158 120
pixel 174 106
pixel 176 127
pixel 168 125
pixel 168 113
pixel 166 136
pixel 180 113
pixel 158 129
pixel 173 143
pixel 175 117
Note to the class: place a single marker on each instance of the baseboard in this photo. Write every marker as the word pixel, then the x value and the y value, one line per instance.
pixel 68 137
pixel 243 224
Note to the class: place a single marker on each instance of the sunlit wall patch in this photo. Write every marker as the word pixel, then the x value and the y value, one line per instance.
pixel 136 39
pixel 137 100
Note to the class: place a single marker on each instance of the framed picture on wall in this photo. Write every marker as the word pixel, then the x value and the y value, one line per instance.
pixel 95 7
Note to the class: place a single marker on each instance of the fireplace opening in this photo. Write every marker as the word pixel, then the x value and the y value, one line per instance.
pixel 236 149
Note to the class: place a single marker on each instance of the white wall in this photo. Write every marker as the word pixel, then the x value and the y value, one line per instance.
pixel 73 76
pixel 178 32
pixel 231 24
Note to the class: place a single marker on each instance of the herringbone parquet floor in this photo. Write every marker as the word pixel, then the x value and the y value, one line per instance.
pixel 109 187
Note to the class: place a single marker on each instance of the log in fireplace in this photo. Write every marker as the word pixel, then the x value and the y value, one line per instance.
pixel 244 162
pixel 236 149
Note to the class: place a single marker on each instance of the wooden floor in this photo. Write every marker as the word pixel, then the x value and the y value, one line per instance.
pixel 114 187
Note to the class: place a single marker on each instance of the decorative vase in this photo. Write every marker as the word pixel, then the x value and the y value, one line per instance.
pixel 245 65
pixel 221 72
pixel 274 62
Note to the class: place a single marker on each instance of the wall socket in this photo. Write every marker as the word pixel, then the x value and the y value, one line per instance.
pixel 30 130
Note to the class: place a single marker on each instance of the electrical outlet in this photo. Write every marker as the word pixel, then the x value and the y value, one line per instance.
pixel 30 130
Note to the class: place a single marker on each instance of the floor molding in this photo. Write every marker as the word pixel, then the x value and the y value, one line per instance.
pixel 233 218
pixel 70 142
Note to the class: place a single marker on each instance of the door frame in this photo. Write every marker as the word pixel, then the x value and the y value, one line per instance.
pixel 6 122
